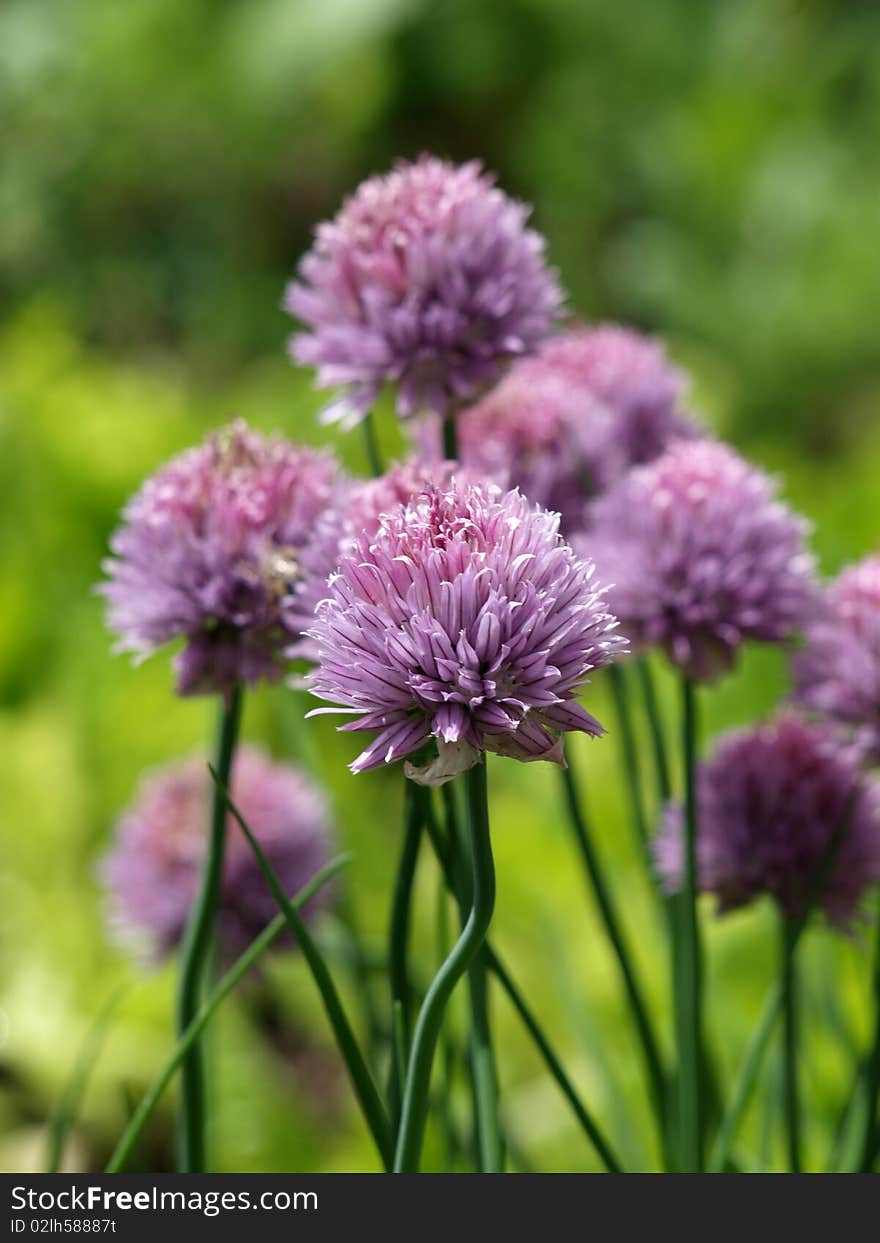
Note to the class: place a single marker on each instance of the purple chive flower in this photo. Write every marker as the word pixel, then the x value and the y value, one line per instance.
pixel 429 278
pixel 566 424
pixel 631 375
pixel 212 549
pixel 769 802
pixel 153 870
pixel 838 671
pixel 465 622
pixel 541 433
pixel 702 557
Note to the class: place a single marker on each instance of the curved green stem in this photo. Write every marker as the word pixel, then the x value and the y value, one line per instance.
pixel 398 938
pixel 530 1022
pixel 361 1079
pixel 650 1048
pixel 490 1144
pixel 418 1080
pixel 447 1045
pixel 196 949
pixel 125 1147
pixel 484 1076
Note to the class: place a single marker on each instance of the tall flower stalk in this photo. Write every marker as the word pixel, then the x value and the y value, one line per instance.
pixel 484 1074
pixel 196 951
pixel 654 1070
pixel 687 968
pixel 418 1081
pixel 398 943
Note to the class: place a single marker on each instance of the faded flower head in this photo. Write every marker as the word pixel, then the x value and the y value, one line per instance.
pixel 428 278
pixel 153 870
pixel 703 556
pixel 564 425
pixel 541 433
pixel 213 548
pixel 631 375
pixel 769 803
pixel 837 672
pixel 465 622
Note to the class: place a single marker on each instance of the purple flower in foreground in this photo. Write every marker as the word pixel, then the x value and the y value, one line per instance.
pixel 838 671
pixel 769 802
pixel 702 557
pixel 153 870
pixel 465 620
pixel 212 549
pixel 429 278
pixel 566 424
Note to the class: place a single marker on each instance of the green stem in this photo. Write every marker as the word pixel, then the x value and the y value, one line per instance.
pixel 655 723
pixel 126 1145
pixel 196 949
pixel 629 753
pixel 361 1079
pixel 745 1082
pixel 654 1071
pixel 490 1145
pixel 371 444
pixel 398 937
pixel 530 1022
pixel 447 1045
pixel 788 977
pixel 872 1076
pixel 757 1048
pixel 688 965
pixel 484 1076
pixel 557 1071
pixel 360 970
pixel 418 1080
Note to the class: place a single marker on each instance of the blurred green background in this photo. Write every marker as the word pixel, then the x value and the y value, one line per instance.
pixel 706 171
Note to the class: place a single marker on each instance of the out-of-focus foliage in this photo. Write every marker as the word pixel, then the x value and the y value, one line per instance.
pixel 706 171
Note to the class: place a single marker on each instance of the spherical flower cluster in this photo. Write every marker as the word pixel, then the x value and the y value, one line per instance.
pixel 153 870
pixel 465 620
pixel 429 278
pixel 212 549
pixel 632 376
pixel 564 425
pixel 837 672
pixel 541 433
pixel 702 557
pixel 770 802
